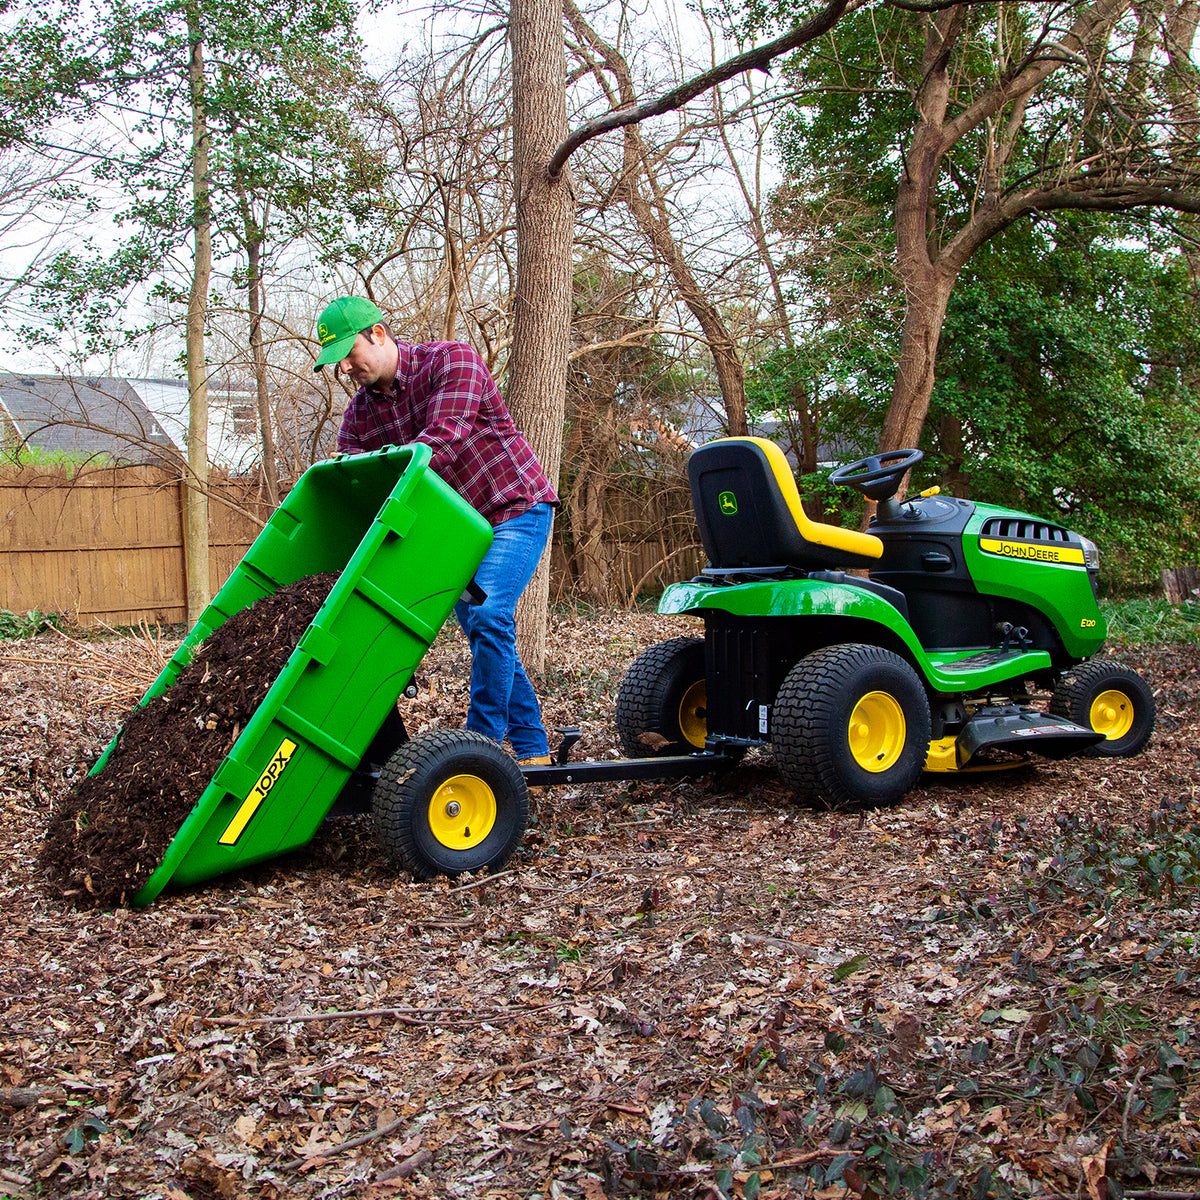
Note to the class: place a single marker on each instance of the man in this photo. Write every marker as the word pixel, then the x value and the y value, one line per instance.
pixel 442 394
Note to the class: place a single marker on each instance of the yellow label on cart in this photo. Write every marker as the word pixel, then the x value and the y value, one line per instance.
pixel 1034 551
pixel 258 793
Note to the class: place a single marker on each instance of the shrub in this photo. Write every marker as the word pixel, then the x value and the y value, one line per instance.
pixel 33 622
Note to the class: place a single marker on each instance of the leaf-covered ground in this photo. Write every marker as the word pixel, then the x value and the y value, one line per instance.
pixel 677 989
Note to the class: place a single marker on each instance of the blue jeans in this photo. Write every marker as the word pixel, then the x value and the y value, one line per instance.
pixel 502 698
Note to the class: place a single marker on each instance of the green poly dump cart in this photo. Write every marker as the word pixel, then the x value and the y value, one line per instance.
pixel 406 547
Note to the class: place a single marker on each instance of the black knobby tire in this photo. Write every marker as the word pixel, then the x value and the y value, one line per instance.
pixel 661 705
pixel 1111 699
pixel 816 750
pixel 448 802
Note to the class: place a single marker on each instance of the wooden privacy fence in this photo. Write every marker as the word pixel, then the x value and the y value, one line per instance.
pixel 648 538
pixel 636 568
pixel 107 546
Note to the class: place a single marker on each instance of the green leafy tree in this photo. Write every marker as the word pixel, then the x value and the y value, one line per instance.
pixel 227 128
pixel 293 166
pixel 1069 384
pixel 925 134
pixel 280 86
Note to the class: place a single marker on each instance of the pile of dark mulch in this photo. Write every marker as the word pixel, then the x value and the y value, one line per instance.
pixel 109 835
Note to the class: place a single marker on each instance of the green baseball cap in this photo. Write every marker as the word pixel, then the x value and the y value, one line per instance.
pixel 340 323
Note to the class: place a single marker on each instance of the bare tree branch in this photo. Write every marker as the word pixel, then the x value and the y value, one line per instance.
pixel 758 58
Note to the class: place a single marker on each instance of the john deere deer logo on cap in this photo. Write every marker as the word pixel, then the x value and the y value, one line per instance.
pixel 728 503
pixel 324 334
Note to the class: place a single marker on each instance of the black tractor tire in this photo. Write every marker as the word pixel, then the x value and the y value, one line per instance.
pixel 448 802
pixel 662 702
pixel 817 751
pixel 1110 699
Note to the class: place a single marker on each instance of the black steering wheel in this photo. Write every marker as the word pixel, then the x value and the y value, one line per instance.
pixel 878 475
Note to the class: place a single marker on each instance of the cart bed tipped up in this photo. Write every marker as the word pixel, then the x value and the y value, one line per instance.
pixel 405 546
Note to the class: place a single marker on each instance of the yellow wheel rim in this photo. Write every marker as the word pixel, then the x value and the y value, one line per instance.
pixel 1111 714
pixel 693 714
pixel 876 732
pixel 462 812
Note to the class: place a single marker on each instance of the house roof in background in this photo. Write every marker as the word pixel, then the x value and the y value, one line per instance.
pixel 233 439
pixel 127 419
pixel 84 415
pixel 704 418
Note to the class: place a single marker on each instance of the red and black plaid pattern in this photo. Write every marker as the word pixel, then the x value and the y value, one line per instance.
pixel 444 396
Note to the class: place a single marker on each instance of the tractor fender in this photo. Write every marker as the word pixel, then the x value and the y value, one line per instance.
pixel 787 598
pixel 821 599
pixel 791 598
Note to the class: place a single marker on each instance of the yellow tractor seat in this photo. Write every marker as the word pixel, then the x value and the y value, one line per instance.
pixel 750 515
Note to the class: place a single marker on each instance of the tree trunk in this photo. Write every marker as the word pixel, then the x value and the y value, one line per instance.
pixel 1181 584
pixel 537 373
pixel 589 501
pixel 593 557
pixel 928 291
pixel 651 215
pixel 252 240
pixel 956 481
pixel 199 590
pixel 259 358
pixel 927 280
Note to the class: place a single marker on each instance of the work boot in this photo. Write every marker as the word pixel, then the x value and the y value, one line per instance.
pixel 538 760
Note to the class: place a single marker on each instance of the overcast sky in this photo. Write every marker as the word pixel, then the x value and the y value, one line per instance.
pixel 385 29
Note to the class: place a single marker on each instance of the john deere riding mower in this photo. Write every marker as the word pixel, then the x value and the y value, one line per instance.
pixel 865 658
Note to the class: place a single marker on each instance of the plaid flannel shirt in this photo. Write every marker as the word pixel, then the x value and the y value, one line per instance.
pixel 444 395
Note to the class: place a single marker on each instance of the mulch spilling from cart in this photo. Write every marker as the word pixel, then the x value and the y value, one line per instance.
pixel 109 835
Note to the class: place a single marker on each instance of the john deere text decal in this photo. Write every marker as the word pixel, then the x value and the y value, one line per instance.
pixel 1034 551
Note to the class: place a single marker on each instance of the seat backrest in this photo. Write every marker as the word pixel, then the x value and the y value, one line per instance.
pixel 750 515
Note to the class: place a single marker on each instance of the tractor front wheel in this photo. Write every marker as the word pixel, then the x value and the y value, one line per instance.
pixel 448 802
pixel 662 706
pixel 851 726
pixel 1112 700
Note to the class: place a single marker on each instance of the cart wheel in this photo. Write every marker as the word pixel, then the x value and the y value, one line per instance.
pixel 448 802
pixel 662 706
pixel 1112 700
pixel 851 725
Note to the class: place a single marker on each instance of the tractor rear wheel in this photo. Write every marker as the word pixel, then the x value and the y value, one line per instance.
pixel 448 802
pixel 1112 700
pixel 851 726
pixel 662 706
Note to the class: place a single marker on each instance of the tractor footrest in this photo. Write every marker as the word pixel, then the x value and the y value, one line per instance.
pixel 984 659
pixel 988 658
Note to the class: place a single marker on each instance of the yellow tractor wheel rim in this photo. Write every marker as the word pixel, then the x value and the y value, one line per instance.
pixel 462 812
pixel 1111 714
pixel 876 732
pixel 693 714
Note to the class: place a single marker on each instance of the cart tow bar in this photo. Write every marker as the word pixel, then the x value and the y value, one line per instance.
pixel 667 766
